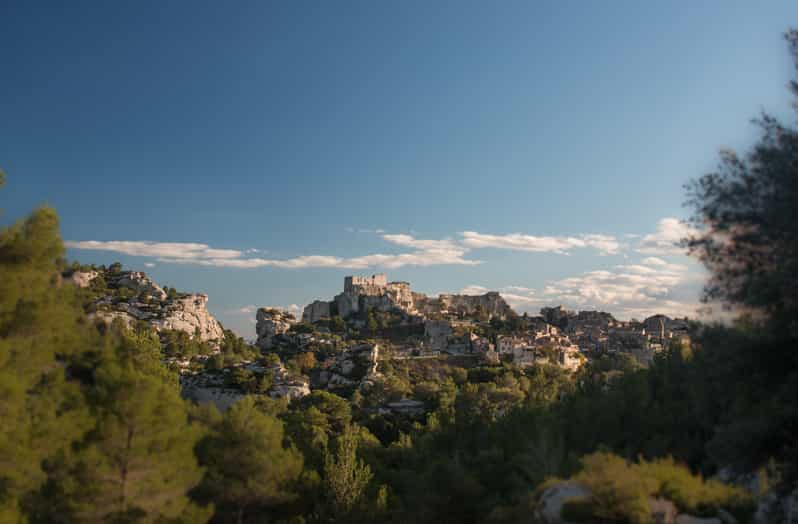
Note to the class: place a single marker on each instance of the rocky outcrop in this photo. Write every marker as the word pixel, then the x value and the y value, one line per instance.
pixel 150 303
pixel 491 304
pixel 205 387
pixel 82 278
pixel 316 311
pixel 271 322
pixel 356 366
pixel 189 313
pixel 203 393
pixel 137 281
pixel 286 386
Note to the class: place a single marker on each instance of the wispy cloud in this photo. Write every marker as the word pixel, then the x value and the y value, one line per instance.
pixel 425 253
pixel 605 244
pixel 168 250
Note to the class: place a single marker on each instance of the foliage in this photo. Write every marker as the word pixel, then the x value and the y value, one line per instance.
pixel 746 211
pixel 248 466
pixel 345 476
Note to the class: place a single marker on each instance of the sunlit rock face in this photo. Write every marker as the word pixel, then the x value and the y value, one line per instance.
pixel 83 278
pixel 138 282
pixel 271 322
pixel 189 313
pixel 150 303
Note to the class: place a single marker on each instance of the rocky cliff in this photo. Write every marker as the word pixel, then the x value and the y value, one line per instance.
pixel 271 322
pixel 132 295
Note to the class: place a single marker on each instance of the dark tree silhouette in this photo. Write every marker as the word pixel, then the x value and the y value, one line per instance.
pixel 746 214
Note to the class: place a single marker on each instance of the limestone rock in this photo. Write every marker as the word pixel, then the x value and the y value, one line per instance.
pixel 138 282
pixel 188 313
pixel 109 316
pixel 83 278
pixel 490 303
pixel 270 323
pixel 290 391
pixel 316 311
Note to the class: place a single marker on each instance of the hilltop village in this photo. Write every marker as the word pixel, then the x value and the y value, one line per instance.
pixel 355 342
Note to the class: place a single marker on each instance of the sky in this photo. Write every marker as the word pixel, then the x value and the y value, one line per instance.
pixel 260 151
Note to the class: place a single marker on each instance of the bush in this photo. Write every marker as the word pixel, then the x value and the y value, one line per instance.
pixel 618 491
pixel 691 493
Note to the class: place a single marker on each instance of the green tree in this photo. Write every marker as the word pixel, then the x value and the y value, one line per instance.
pixel 745 212
pixel 41 326
pixel 337 324
pixel 138 462
pixel 248 467
pixel 345 476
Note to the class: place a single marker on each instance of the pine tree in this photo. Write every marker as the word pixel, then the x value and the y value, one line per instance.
pixel 41 325
pixel 345 476
pixel 138 461
pixel 248 467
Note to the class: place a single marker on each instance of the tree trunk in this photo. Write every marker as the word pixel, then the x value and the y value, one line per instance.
pixel 123 483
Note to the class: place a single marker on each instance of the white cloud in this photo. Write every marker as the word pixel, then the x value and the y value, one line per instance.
pixel 248 309
pixel 519 289
pixel 474 290
pixel 605 244
pixel 638 290
pixel 425 253
pixel 665 240
pixel 410 241
pixel 171 250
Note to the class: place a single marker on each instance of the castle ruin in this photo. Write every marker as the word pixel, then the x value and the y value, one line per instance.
pixel 362 293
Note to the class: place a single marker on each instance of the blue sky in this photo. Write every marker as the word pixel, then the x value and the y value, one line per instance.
pixel 413 138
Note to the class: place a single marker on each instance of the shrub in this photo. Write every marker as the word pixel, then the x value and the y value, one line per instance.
pixel 619 493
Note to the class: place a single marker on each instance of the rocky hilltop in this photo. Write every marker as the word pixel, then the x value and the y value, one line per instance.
pixel 132 296
pixel 271 322
pixel 362 294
